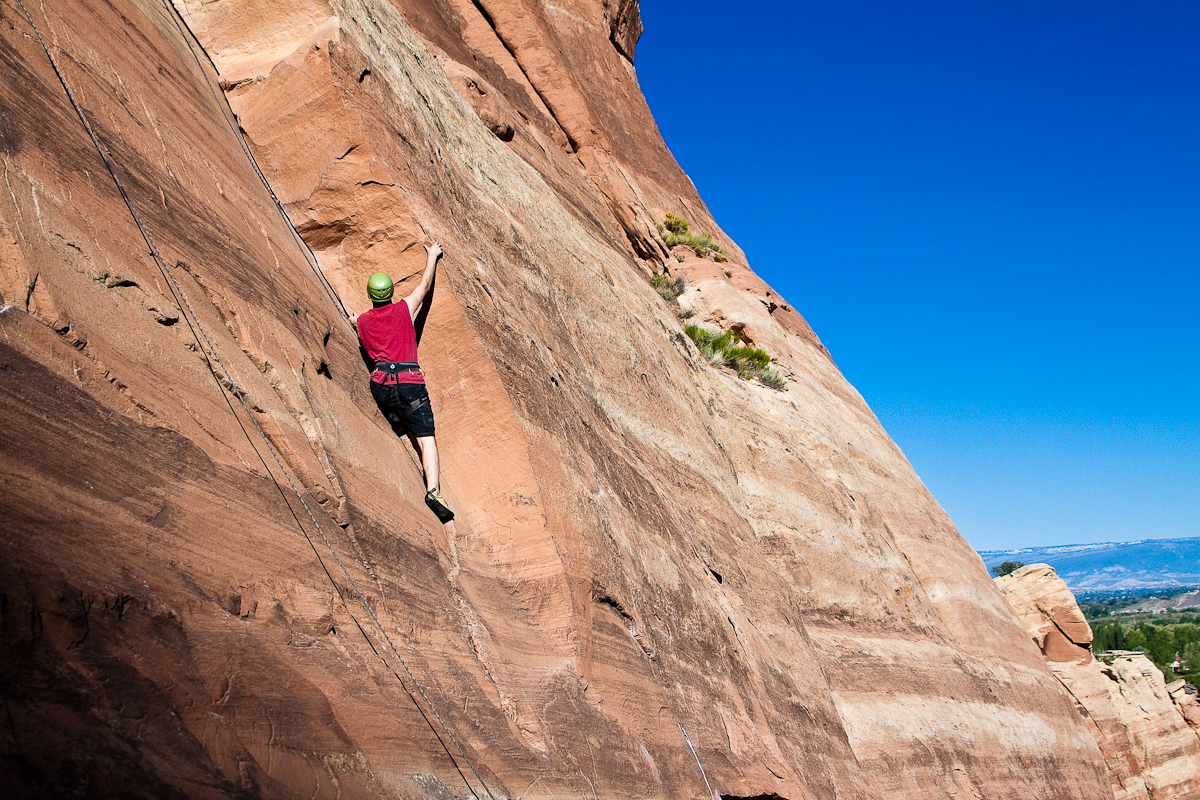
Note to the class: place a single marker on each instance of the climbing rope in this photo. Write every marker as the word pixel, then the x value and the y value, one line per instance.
pixel 698 764
pixel 230 120
pixel 210 356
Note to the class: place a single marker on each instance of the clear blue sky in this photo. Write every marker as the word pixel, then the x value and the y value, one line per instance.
pixel 990 214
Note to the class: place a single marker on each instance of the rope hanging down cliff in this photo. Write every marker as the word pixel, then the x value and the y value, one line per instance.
pixel 682 730
pixel 231 121
pixel 210 356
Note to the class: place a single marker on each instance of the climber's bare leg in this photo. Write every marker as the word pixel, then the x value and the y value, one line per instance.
pixel 427 448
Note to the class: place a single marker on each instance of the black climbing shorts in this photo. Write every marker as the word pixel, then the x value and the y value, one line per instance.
pixel 406 406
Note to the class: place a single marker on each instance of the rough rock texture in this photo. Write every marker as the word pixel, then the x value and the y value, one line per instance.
pixel 218 576
pixel 1185 696
pixel 1048 610
pixel 1147 734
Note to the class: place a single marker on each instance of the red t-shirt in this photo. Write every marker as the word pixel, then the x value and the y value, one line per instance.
pixel 387 334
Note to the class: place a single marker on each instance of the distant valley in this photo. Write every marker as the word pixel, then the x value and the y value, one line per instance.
pixel 1147 564
pixel 1160 604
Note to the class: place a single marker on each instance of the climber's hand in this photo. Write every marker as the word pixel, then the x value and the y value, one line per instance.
pixel 435 252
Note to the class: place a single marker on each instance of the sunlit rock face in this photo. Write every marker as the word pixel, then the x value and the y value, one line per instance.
pixel 1048 610
pixel 219 578
pixel 1147 733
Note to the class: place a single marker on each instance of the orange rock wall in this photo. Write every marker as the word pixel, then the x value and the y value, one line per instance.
pixel 645 545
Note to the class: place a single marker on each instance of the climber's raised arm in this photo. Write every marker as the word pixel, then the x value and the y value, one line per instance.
pixel 415 300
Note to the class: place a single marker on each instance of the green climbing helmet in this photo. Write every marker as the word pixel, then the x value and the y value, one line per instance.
pixel 379 287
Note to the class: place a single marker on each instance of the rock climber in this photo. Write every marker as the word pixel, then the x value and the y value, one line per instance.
pixel 388 335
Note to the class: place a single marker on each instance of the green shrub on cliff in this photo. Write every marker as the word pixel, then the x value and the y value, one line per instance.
pixel 773 380
pixel 725 349
pixel 668 288
pixel 675 223
pixel 674 231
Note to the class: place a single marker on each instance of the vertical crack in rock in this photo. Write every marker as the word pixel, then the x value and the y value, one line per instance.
pixel 547 104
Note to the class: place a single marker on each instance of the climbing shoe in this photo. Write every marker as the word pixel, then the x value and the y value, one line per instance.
pixel 438 506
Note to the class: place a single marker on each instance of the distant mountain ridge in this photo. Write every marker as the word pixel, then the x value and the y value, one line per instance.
pixel 1146 564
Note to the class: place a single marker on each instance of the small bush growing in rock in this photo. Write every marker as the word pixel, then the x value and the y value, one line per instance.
pixel 725 349
pixel 773 380
pixel 705 245
pixel 675 231
pixel 675 223
pixel 668 288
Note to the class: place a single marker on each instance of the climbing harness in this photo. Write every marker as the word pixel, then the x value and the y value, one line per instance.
pixel 397 367
pixel 210 356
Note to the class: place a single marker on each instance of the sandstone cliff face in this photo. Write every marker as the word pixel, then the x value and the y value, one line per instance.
pixel 218 576
pixel 1147 734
